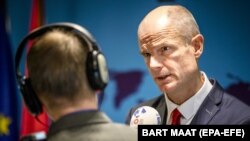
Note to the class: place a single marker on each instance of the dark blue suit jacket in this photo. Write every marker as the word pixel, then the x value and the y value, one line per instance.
pixel 218 108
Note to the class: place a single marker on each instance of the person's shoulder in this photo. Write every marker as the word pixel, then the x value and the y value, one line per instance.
pixel 219 93
pixel 228 100
pixel 124 127
pixel 238 110
pixel 234 101
pixel 123 131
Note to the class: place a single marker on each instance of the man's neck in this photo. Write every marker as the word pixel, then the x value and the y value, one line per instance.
pixel 181 95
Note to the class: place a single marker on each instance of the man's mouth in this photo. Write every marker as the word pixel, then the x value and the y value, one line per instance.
pixel 162 77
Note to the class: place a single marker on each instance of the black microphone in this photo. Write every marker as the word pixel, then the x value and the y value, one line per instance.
pixel 145 115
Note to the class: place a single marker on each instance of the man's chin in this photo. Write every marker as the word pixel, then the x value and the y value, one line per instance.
pixel 168 88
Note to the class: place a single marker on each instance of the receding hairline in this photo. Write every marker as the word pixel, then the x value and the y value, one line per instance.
pixel 176 15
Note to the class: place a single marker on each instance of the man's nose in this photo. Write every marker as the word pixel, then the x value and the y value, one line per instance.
pixel 155 63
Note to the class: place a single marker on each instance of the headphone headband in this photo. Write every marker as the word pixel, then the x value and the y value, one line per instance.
pixel 41 30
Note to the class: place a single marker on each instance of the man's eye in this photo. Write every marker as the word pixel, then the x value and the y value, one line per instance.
pixel 164 48
pixel 145 54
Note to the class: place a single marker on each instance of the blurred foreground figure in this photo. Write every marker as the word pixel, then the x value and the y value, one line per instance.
pixel 66 71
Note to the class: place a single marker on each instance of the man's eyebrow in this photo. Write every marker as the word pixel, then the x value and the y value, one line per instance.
pixel 143 48
pixel 143 51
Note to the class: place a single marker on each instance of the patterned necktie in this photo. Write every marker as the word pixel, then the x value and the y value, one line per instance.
pixel 176 116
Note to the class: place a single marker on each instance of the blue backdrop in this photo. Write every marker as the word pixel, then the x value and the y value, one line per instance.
pixel 224 24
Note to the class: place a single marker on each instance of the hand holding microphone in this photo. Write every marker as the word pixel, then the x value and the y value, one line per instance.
pixel 145 115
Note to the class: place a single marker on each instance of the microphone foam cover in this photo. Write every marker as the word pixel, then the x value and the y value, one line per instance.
pixel 145 115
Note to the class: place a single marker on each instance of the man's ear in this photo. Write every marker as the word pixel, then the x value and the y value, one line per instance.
pixel 197 43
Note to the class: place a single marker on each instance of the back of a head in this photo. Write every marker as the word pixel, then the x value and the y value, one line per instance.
pixel 171 16
pixel 56 64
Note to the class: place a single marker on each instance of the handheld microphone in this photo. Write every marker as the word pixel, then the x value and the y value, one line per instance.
pixel 145 115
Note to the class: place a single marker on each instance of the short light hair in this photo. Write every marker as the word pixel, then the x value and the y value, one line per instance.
pixel 56 64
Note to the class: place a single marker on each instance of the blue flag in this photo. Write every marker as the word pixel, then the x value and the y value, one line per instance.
pixel 9 122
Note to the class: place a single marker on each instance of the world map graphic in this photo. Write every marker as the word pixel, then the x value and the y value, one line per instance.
pixel 127 84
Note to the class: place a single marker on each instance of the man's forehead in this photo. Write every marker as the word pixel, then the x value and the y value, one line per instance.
pixel 153 25
pixel 163 38
pixel 167 33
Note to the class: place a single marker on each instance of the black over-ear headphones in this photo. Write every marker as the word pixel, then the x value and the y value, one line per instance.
pixel 96 68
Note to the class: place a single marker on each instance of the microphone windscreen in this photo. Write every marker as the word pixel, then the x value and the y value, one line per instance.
pixel 145 115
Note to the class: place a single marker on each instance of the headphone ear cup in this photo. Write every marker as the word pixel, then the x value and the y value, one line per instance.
pixel 30 98
pixel 97 72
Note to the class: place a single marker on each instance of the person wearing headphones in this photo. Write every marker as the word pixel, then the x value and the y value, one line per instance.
pixel 66 71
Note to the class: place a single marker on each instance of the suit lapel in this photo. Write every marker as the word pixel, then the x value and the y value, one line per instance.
pixel 205 113
pixel 210 106
pixel 161 107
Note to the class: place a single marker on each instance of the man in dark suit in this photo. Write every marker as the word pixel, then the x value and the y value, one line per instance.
pixel 67 71
pixel 171 44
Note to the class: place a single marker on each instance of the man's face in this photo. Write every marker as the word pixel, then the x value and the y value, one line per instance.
pixel 169 59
